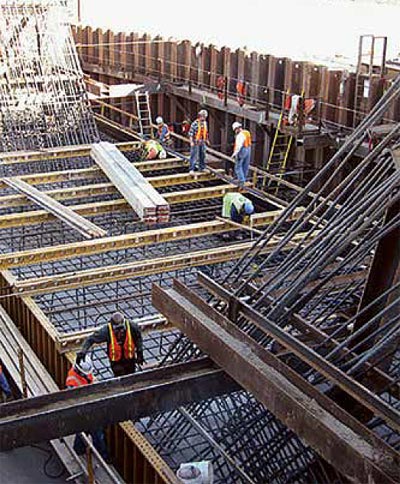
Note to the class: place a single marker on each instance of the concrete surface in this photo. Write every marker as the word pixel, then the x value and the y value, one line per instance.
pixel 26 466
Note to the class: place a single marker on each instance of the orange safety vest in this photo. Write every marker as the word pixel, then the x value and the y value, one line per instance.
pixel 241 92
pixel 115 350
pixel 247 139
pixel 74 379
pixel 168 133
pixel 202 131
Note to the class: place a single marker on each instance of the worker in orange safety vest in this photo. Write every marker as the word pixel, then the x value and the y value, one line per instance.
pixel 124 344
pixel 242 152
pixel 79 375
pixel 198 135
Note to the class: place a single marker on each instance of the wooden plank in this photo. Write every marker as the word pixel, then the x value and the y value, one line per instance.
pixel 149 205
pixel 65 214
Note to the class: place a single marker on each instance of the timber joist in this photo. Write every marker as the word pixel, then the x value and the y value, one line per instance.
pixel 128 241
pixel 98 208
pixel 105 188
pixel 104 275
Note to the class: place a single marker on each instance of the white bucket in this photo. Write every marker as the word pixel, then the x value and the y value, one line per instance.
pixel 196 473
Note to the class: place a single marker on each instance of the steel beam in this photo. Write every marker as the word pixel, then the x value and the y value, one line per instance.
pixel 98 208
pixel 70 280
pixel 15 157
pixel 90 173
pixel 91 407
pixel 352 387
pixel 362 457
pixel 129 241
pixel 97 189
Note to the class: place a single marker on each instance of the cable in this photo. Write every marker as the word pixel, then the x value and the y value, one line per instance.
pixel 50 456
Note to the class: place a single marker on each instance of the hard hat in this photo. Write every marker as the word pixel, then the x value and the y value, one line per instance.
pixel 162 155
pixel 85 365
pixel 203 112
pixel 117 318
pixel 236 125
pixel 159 120
pixel 248 207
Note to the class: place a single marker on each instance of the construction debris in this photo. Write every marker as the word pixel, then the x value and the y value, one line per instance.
pixel 148 204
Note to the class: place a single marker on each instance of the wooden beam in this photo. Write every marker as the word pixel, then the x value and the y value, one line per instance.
pixel 147 203
pixel 62 212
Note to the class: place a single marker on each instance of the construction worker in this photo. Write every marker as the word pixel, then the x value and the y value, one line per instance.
pixel 4 385
pixel 124 344
pixel 163 133
pixel 198 135
pixel 153 149
pixel 236 207
pixel 81 374
pixel 242 152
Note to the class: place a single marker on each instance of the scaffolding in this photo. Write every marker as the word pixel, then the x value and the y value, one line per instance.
pixel 43 100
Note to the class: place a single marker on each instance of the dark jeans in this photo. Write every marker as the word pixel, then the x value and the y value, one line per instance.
pixel 198 157
pixel 99 441
pixel 122 368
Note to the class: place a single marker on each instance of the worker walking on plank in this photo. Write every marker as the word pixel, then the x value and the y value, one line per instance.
pixel 163 133
pixel 4 385
pixel 237 207
pixel 81 374
pixel 242 152
pixel 124 344
pixel 198 135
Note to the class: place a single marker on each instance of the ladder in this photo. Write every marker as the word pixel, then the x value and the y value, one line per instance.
pixel 371 63
pixel 144 114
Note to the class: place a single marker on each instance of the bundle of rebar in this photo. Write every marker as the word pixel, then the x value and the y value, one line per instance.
pixel 43 101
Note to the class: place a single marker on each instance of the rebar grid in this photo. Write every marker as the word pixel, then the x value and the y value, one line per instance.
pixel 256 447
pixel 43 100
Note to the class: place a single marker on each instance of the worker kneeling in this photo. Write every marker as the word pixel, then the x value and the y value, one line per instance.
pixel 152 150
pixel 124 344
pixel 81 374
pixel 237 207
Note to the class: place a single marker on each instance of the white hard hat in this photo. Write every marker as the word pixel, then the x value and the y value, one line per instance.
pixel 236 125
pixel 159 120
pixel 203 112
pixel 162 155
pixel 85 366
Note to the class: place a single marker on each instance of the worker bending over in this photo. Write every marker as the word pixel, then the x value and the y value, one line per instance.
pixel 79 375
pixel 198 135
pixel 4 385
pixel 152 150
pixel 237 207
pixel 242 152
pixel 124 344
pixel 163 133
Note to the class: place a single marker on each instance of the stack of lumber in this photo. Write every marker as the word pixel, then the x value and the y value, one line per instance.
pixel 149 205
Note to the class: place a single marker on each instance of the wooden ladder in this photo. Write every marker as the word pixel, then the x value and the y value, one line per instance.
pixel 144 114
